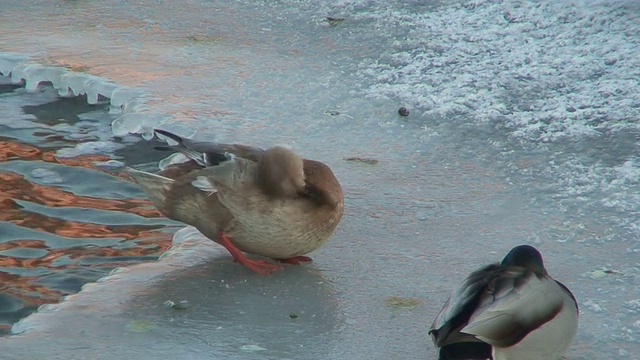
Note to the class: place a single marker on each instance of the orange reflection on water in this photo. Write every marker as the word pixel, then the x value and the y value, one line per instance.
pixel 142 240
pixel 15 186
pixel 12 212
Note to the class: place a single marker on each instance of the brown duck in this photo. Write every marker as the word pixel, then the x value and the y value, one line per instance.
pixel 265 202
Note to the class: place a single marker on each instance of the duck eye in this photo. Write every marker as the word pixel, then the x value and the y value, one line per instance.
pixel 312 193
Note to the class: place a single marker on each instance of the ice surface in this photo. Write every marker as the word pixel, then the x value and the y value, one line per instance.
pixel 137 123
pixel 523 128
pixel 73 84
pixel 543 74
pixel 137 118
pixel 127 99
pixel 478 72
pixel 96 86
pixel 8 61
pixel 18 73
pixel 35 75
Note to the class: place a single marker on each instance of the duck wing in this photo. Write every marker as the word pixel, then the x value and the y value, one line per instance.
pixel 513 304
pixel 207 153
pixel 461 306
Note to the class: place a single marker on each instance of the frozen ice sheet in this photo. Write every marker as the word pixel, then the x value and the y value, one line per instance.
pixel 521 130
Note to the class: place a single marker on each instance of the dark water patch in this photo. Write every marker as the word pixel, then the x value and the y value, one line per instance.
pixel 63 110
pixel 11 311
pixel 8 88
pixel 71 280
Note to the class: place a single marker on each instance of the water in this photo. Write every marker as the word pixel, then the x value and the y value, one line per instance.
pixel 66 221
pixel 523 128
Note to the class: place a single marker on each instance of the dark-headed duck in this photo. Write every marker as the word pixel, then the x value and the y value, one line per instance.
pixel 512 310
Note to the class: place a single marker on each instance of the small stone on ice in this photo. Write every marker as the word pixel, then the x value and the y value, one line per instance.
pixel 591 305
pixel 183 304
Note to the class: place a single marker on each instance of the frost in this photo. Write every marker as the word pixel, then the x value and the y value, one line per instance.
pixel 559 76
pixel 633 305
pixel 628 172
pixel 538 65
pixel 592 305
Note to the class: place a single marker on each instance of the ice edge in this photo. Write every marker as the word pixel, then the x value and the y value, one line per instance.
pixel 136 117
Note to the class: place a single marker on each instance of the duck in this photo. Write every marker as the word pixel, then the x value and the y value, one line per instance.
pixel 512 310
pixel 266 202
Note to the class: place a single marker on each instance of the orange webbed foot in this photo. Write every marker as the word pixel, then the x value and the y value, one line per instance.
pixel 262 267
pixel 296 260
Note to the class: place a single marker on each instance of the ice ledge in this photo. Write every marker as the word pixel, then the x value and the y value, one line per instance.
pixel 106 296
pixel 130 102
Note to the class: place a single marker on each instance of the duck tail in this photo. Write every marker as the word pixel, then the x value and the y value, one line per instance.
pixel 155 186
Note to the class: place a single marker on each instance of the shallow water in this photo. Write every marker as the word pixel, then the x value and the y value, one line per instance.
pixel 65 220
pixel 520 131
